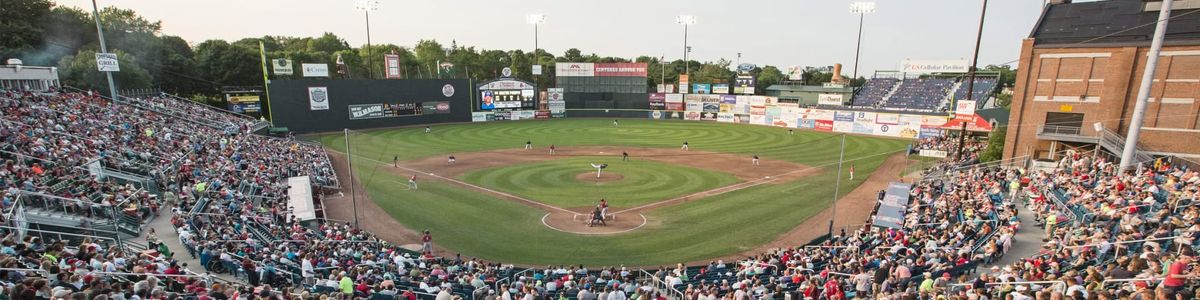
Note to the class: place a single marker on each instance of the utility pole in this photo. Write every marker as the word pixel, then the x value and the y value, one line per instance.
pixel 837 185
pixel 112 86
pixel 1139 109
pixel 962 136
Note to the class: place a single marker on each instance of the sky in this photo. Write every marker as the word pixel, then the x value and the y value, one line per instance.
pixel 766 32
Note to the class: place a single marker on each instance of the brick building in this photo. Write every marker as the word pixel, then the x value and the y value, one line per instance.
pixel 1080 69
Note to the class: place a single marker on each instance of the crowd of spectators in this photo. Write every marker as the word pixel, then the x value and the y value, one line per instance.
pixel 1107 234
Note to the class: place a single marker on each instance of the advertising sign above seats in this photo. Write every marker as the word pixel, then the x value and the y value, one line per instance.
pixel 600 69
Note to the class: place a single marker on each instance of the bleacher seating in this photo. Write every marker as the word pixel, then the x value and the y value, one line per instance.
pixel 920 94
pixel 983 88
pixel 874 91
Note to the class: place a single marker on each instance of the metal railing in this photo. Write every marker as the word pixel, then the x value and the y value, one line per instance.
pixel 662 286
pixel 1060 130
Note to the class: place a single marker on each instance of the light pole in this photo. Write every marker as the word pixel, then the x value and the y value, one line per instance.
pixel 535 19
pixel 367 6
pixel 686 20
pixel 112 86
pixel 862 9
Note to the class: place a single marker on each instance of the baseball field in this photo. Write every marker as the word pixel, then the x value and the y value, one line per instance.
pixel 501 202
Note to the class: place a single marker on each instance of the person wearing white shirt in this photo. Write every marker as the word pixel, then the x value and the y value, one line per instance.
pixel 616 295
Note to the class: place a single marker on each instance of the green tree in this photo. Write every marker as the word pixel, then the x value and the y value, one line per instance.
pixel 713 72
pixel 79 70
pixel 226 64
pixel 770 75
pixel 1008 75
pixel 327 43
pixel 995 147
pixel 21 27
pixel 429 53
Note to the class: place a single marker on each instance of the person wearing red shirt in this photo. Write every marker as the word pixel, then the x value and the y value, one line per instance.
pixel 1176 278
pixel 833 290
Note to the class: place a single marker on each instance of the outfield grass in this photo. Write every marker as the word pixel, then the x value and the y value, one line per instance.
pixel 484 226
pixel 554 182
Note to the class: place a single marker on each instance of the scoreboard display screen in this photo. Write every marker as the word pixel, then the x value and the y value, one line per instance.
pixel 506 99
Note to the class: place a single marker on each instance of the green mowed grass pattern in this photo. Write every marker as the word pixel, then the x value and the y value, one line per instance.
pixel 555 182
pixel 482 225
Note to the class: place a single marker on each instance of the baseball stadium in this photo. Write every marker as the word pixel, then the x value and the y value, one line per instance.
pixel 138 164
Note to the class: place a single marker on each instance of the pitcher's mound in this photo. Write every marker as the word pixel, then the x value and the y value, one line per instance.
pixel 576 222
pixel 604 177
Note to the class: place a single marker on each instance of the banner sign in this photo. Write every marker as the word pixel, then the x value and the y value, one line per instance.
pixel 318 98
pixel 882 118
pixel 481 116
pixel 744 85
pixel 666 88
pixel 928 132
pixel 107 62
pixel 658 101
pixel 806 123
pixel 555 102
pixel 823 125
pixel 575 69
pixel 708 116
pixel 541 114
pixel 391 66
pixel 620 69
pixel 315 70
pixel 720 88
pixel 674 102
pixel 712 103
pixel 933 153
pixel 683 83
pixel 934 66
pixel 536 70
pixel 281 66
pixel 701 88
pixel 725 117
pixel 829 99
pixel 243 99
pixel 964 109
pixel 795 73
pixel 691 115
pixel 389 110
pixel 843 116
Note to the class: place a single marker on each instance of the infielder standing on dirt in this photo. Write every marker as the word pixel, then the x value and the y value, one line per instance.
pixel 551 149
pixel 528 144
pixel 450 160
pixel 394 160
pixel 755 160
pixel 624 156
pixel 685 146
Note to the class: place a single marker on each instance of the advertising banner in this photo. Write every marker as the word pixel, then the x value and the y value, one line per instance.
pixel 694 106
pixel 725 117
pixel 863 127
pixel 829 99
pixel 728 103
pixel 781 122
pixel 823 125
pixel 318 98
pixel 575 69
pixel 806 123
pixel 315 70
pixel 933 121
pixel 701 88
pixel 864 117
pixel 619 69
pixel 720 88
pixel 481 116
pixel 658 114
pixel 928 132
pixel 882 118
pixel 758 119
pixel 674 102
pixel 683 83
pixel 844 127
pixel 934 66
pixel 773 111
pixel 434 108
pixel 658 101
pixel 910 126
pixel 243 99
pixel 712 103
pixel 523 115
pixel 892 130
pixel 391 66
pixel 692 115
pixel 281 66
pixel 536 70
pixel 501 116
pixel 708 116
pixel 744 84
pixel 541 114
pixel 964 109
pixel 933 153
pixel 666 88
pixel 843 116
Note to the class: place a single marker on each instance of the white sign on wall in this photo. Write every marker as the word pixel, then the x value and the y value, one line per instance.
pixel 281 66
pixel 934 66
pixel 829 99
pixel 537 70
pixel 318 98
pixel 107 62
pixel 315 70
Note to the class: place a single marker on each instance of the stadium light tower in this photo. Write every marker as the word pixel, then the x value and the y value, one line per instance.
pixel 112 87
pixel 535 19
pixel 862 9
pixel 367 6
pixel 685 20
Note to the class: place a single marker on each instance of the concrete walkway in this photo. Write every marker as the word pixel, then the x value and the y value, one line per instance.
pixel 1026 243
pixel 166 233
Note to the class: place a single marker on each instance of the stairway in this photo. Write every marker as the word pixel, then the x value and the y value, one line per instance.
pixel 1115 143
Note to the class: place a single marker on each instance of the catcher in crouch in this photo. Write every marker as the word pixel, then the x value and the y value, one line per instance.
pixel 597 217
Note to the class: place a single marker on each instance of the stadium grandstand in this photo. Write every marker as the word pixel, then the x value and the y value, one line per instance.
pixel 896 91
pixel 220 188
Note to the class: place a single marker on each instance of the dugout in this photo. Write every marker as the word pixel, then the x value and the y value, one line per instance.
pixel 330 105
pixel 603 85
